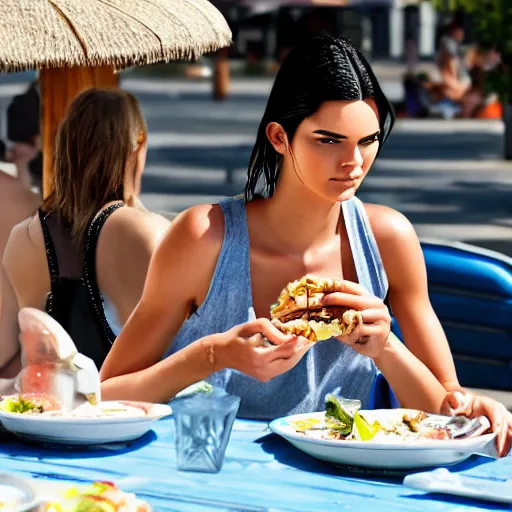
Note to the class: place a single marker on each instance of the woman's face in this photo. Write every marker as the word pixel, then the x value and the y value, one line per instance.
pixel 334 149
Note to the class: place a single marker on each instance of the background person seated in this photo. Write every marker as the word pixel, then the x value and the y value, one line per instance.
pixel 455 81
pixel 83 256
pixel 425 97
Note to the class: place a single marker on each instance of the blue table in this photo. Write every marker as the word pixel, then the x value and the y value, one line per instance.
pixel 262 472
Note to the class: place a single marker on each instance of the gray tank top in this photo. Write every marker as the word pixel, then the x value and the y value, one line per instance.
pixel 328 367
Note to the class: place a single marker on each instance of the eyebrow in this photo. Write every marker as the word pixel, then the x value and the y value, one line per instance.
pixel 335 135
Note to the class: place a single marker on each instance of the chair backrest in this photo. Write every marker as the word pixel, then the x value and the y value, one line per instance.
pixel 471 291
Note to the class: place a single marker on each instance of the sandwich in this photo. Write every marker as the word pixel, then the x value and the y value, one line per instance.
pixel 298 311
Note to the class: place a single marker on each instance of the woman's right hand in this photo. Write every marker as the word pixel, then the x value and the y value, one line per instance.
pixel 463 403
pixel 243 348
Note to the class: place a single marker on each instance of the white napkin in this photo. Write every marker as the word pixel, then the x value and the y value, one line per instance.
pixel 442 481
pixel 251 314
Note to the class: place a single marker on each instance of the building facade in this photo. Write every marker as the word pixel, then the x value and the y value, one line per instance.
pixel 382 29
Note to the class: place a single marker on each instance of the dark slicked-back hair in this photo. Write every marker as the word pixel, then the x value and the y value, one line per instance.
pixel 322 69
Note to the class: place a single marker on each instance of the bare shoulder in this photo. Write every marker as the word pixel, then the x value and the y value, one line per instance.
pixel 389 225
pixel 129 227
pixel 24 237
pixel 200 227
pixel 24 261
pixel 192 239
pixel 187 256
pixel 399 248
pixel 17 195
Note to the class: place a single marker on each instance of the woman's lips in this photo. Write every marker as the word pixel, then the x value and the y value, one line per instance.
pixel 346 180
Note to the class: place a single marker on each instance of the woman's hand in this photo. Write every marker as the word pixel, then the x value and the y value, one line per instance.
pixel 371 337
pixel 243 348
pixel 459 403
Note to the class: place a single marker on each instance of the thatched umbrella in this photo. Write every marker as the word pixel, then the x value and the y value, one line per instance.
pixel 82 43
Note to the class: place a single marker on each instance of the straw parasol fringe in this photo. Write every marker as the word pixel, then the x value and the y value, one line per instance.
pixel 46 34
pixel 77 44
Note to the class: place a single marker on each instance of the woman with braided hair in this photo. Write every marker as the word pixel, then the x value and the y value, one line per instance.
pixel 325 123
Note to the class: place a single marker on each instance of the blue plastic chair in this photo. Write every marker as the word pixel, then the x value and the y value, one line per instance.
pixel 471 291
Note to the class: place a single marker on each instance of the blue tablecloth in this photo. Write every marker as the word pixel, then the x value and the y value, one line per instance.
pixel 262 472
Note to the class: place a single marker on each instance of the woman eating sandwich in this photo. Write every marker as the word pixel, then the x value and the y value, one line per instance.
pixel 325 123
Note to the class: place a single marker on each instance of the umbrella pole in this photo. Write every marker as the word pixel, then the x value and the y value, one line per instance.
pixel 221 80
pixel 58 88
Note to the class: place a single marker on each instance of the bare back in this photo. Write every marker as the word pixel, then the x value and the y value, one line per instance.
pixel 124 249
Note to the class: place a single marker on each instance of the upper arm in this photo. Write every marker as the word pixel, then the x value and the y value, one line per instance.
pixel 405 267
pixel 10 357
pixel 26 265
pixel 178 278
pixel 9 340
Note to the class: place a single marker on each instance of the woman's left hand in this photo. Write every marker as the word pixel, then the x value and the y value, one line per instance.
pixel 462 403
pixel 371 337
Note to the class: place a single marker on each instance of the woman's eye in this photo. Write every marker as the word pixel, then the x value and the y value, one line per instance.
pixel 328 141
pixel 369 142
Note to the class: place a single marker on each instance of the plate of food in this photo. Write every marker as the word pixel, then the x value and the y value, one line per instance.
pixel 98 496
pixel 23 495
pixel 384 438
pixel 40 417
pixel 58 397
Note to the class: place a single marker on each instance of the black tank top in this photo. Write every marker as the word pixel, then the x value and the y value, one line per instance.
pixel 75 300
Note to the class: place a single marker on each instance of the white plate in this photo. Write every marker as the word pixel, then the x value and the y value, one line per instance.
pixel 389 455
pixel 18 495
pixel 82 431
pixel 22 494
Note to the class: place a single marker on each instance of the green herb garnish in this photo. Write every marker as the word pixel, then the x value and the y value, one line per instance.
pixel 339 414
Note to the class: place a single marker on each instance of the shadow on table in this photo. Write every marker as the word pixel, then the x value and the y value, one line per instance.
pixel 11 445
pixel 288 455
pixel 458 500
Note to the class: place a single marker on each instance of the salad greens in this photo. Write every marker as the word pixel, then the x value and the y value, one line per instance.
pixel 339 414
pixel 18 405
